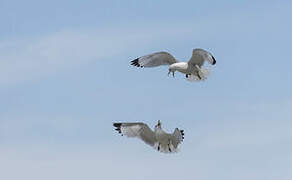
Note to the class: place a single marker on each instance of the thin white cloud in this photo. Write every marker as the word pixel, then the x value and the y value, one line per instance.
pixel 49 54
pixel 33 58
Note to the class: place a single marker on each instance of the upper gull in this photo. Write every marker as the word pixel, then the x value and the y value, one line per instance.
pixel 192 69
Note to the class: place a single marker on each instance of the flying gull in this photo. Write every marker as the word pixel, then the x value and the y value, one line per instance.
pixel 158 139
pixel 192 69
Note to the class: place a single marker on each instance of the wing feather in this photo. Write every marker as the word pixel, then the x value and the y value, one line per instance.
pixel 177 137
pixel 154 59
pixel 200 56
pixel 139 130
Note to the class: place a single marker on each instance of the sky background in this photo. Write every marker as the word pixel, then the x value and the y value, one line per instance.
pixel 65 78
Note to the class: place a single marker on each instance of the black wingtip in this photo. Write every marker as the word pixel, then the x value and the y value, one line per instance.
pixel 118 127
pixel 182 133
pixel 135 62
pixel 214 61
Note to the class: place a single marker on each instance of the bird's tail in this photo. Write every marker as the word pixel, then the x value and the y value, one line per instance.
pixel 166 148
pixel 201 76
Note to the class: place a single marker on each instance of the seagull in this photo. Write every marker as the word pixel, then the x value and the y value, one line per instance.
pixel 192 69
pixel 158 139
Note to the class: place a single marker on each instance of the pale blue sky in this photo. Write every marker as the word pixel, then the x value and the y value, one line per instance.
pixel 65 77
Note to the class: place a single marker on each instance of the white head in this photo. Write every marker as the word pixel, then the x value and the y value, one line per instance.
pixel 172 68
pixel 158 126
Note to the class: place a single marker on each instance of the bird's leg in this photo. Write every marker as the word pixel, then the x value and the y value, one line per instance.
pixel 199 70
pixel 199 76
pixel 169 145
pixel 169 71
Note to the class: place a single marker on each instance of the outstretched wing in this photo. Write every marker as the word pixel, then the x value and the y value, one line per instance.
pixel 139 130
pixel 177 137
pixel 200 56
pixel 153 60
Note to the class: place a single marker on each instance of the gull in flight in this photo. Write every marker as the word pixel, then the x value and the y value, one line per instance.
pixel 192 69
pixel 158 139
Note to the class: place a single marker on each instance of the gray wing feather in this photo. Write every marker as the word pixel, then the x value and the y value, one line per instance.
pixel 200 56
pixel 177 137
pixel 153 60
pixel 139 130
